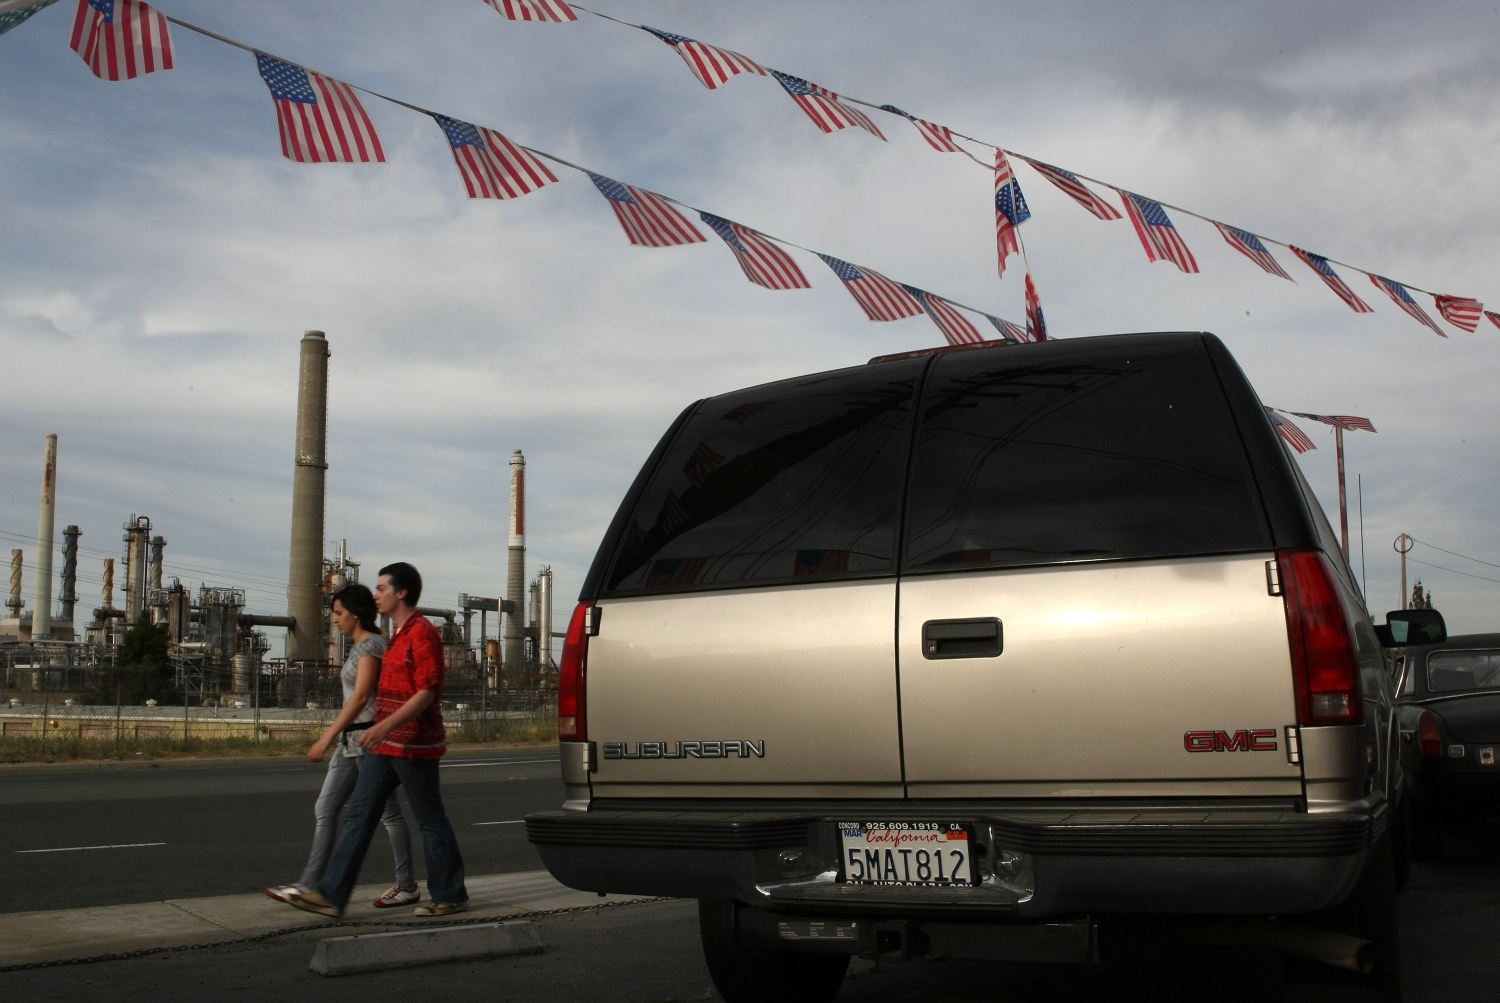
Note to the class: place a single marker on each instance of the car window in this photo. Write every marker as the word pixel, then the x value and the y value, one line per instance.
pixel 793 481
pixel 1455 671
pixel 1082 453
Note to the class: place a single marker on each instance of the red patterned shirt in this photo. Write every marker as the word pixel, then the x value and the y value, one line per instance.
pixel 414 662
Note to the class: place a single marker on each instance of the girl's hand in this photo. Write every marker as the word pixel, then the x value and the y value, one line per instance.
pixel 315 754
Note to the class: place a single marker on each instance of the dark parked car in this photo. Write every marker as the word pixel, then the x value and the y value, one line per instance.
pixel 1449 712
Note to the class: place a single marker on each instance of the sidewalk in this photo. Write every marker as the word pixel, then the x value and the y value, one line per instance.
pixel 60 935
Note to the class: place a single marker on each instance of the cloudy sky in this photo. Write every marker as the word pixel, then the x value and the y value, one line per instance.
pixel 159 258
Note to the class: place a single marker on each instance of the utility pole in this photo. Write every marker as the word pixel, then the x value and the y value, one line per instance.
pixel 1403 546
pixel 1338 442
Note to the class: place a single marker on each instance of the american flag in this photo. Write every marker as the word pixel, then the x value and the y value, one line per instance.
pixel 1250 246
pixel 1075 189
pixel 1399 296
pixel 1009 330
pixel 492 166
pixel 1493 316
pixel 763 261
pixel 1319 264
pixel 710 64
pixel 1158 236
pixel 824 107
pixel 321 119
pixel 939 137
pixel 534 10
pixel 954 325
pixel 649 220
pixel 668 571
pixel 821 562
pixel 15 12
pixel 1460 311
pixel 1294 436
pixel 1036 327
pixel 881 298
pixel 121 39
pixel 1010 209
pixel 1348 422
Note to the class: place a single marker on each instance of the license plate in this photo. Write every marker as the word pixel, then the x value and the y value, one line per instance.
pixel 906 853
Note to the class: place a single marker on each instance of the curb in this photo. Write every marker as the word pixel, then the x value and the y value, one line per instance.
pixel 378 952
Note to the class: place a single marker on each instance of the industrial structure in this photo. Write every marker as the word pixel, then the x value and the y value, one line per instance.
pixel 219 649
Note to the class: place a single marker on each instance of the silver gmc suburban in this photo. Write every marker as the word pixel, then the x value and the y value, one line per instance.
pixel 1016 652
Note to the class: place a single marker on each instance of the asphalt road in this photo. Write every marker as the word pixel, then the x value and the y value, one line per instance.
pixel 1450 915
pixel 103 834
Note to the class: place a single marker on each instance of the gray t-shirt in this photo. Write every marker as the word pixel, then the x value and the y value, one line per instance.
pixel 373 646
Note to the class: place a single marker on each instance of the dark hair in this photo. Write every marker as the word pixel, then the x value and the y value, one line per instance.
pixel 405 578
pixel 357 600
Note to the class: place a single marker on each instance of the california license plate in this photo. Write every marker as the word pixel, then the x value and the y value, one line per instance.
pixel 906 853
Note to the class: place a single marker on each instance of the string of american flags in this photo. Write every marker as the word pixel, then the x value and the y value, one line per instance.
pixel 321 119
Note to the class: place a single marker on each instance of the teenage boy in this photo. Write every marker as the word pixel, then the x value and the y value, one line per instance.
pixel 405 743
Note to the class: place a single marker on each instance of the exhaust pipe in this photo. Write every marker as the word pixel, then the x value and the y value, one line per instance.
pixel 1326 946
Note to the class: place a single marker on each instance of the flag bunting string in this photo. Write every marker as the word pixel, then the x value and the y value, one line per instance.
pixel 1158 235
pixel 321 120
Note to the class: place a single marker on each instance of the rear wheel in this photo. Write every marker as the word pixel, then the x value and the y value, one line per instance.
pixel 752 975
pixel 1369 913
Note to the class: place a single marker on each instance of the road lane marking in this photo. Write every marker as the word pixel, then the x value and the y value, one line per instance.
pixel 498 762
pixel 509 821
pixel 107 846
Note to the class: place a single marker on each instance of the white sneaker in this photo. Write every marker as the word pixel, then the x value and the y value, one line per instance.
pixel 398 896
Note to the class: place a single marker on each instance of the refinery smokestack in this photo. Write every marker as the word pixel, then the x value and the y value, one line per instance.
pixel 14 602
pixel 515 573
pixel 41 605
pixel 107 595
pixel 70 572
pixel 137 532
pixel 304 591
pixel 154 593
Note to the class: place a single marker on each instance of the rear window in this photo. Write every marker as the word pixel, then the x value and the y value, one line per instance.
pixel 1455 671
pixel 1078 452
pixel 792 481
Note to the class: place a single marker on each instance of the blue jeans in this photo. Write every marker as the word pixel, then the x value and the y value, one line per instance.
pixel 379 776
pixel 338 784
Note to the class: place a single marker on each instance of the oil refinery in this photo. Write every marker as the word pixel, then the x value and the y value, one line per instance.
pixel 220 651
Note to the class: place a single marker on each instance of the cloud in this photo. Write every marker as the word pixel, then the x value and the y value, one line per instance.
pixel 162 259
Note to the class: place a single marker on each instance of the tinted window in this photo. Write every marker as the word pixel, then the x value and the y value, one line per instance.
pixel 1078 452
pixel 1455 671
pixel 791 481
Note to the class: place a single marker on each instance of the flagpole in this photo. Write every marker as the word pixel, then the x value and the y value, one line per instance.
pixel 1338 441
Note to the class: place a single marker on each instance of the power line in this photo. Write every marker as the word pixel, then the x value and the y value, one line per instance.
pixel 1454 570
pixel 1453 553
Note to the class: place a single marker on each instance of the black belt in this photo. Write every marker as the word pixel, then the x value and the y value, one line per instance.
pixel 356 727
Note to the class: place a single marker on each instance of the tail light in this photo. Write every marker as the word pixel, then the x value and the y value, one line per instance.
pixel 1324 667
pixel 1430 735
pixel 572 725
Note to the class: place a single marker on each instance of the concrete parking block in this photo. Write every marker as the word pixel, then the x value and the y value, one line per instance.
pixel 379 952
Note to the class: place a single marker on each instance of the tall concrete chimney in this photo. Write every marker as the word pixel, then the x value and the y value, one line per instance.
pixel 41 604
pixel 17 556
pixel 515 574
pixel 70 573
pixel 304 591
pixel 107 594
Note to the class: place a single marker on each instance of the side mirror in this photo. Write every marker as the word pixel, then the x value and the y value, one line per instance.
pixel 1411 626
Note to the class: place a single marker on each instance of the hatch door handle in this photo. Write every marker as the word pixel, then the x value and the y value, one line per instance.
pixel 977 637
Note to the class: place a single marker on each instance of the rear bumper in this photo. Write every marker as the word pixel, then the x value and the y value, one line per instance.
pixel 1243 861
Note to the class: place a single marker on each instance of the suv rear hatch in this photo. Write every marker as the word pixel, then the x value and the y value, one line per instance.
pixel 1094 502
pixel 745 643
